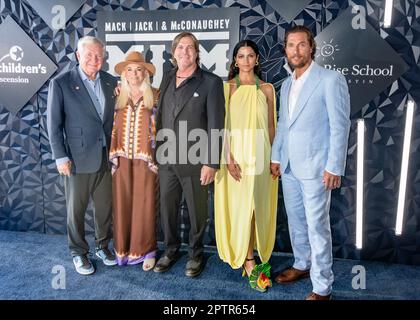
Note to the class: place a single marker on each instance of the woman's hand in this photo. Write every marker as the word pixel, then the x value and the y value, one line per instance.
pixel 234 169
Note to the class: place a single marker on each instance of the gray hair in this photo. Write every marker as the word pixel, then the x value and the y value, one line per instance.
pixel 89 40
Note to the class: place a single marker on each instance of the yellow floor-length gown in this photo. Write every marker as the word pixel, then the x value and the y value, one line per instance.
pixel 235 202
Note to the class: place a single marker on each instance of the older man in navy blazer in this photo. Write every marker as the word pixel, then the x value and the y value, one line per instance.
pixel 80 116
pixel 309 151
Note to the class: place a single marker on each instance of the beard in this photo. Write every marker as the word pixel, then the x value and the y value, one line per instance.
pixel 300 64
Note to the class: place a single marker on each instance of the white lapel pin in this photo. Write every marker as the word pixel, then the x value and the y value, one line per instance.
pixel 77 88
pixel 195 94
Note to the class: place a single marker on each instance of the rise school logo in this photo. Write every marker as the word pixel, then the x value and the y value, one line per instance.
pixel 367 61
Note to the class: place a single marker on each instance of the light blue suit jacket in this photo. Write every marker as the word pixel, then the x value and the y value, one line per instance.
pixel 315 138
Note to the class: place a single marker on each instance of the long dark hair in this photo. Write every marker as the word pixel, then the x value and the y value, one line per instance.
pixel 233 71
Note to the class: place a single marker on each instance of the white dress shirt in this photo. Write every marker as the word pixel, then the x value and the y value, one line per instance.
pixel 296 88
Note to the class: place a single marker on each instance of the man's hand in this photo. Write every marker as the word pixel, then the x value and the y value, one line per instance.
pixel 64 169
pixel 275 170
pixel 234 169
pixel 207 175
pixel 331 181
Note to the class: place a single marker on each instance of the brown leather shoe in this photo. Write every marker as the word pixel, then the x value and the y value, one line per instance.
pixel 314 296
pixel 291 275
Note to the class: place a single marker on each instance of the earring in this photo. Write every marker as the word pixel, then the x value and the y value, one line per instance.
pixel 236 64
pixel 257 63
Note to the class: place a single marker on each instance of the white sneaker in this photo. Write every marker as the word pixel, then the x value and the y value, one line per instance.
pixel 106 256
pixel 83 265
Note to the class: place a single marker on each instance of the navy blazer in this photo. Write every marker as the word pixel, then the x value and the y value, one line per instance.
pixel 75 128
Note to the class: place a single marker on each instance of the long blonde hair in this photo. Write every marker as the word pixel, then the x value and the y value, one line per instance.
pixel 145 87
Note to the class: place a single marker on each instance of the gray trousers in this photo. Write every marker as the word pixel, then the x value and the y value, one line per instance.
pixel 79 188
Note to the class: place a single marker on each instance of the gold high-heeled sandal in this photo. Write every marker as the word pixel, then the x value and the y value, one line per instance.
pixel 244 273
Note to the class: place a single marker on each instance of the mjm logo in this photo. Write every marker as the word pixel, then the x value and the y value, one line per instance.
pixel 16 54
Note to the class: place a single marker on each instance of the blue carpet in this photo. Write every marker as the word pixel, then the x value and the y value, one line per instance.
pixel 27 261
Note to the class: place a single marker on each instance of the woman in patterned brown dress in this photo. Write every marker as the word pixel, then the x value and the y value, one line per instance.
pixel 134 171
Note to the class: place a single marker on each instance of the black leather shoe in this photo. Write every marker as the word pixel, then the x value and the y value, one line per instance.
pixel 194 267
pixel 164 264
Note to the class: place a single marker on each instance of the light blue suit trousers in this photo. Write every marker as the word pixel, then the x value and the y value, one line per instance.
pixel 313 140
pixel 307 204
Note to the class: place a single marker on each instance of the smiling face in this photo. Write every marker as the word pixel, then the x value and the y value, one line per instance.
pixel 91 58
pixel 134 73
pixel 298 50
pixel 327 50
pixel 246 59
pixel 185 53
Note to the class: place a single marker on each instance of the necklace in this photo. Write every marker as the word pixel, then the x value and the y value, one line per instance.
pixel 238 81
pixel 136 98
pixel 182 77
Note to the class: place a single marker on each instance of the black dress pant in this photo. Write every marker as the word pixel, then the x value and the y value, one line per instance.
pixel 172 186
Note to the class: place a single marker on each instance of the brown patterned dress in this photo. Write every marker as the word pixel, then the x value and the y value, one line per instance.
pixel 134 182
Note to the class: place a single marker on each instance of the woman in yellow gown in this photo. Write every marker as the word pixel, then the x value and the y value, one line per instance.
pixel 245 192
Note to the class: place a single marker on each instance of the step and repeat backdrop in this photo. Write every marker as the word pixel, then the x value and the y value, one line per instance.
pixel 381 64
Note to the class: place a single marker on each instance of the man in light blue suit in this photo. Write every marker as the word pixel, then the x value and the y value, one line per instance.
pixel 309 152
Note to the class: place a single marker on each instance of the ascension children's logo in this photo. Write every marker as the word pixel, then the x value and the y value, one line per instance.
pixel 10 64
pixel 24 66
pixel 15 52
